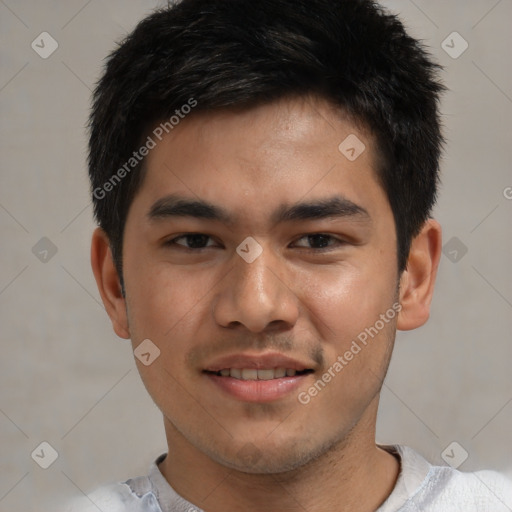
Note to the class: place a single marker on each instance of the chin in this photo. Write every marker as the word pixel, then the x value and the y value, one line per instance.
pixel 268 458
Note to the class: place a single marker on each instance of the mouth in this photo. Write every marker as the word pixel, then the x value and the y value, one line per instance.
pixel 259 373
pixel 257 377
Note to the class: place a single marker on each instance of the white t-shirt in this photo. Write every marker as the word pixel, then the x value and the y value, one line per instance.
pixel 420 487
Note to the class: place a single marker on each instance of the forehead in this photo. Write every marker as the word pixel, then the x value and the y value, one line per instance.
pixel 253 162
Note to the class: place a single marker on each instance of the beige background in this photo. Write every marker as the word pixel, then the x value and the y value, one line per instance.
pixel 68 380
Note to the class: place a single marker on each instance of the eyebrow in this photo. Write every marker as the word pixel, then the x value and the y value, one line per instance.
pixel 332 207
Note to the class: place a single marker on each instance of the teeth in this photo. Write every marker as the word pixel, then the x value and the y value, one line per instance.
pixel 249 374
pixel 258 374
pixel 279 372
pixel 265 374
pixel 236 373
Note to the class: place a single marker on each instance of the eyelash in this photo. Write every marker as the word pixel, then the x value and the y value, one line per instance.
pixel 339 242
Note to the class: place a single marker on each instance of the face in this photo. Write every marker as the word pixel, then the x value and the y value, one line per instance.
pixel 259 295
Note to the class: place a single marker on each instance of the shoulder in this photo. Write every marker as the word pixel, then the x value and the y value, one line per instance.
pixel 447 488
pixel 482 490
pixel 422 486
pixel 116 497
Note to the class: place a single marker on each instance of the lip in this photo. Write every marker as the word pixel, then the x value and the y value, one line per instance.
pixel 257 361
pixel 257 390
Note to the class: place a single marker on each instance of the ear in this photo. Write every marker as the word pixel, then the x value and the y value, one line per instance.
pixel 418 279
pixel 108 282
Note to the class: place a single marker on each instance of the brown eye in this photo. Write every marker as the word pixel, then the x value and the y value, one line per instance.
pixel 192 241
pixel 320 241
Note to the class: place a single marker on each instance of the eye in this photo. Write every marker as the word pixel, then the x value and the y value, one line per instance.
pixel 322 240
pixel 197 241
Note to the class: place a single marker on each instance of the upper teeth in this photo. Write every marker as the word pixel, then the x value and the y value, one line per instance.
pixel 257 374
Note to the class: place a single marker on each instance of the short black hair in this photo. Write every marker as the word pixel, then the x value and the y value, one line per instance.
pixel 217 54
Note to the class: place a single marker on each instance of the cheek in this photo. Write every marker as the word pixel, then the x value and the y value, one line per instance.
pixel 356 342
pixel 344 301
pixel 166 306
pixel 162 298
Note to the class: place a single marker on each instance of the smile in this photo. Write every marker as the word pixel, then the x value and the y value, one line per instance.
pixel 259 373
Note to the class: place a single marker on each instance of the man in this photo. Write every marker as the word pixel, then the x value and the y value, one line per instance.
pixel 263 175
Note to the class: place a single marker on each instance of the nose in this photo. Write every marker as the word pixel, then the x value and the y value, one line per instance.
pixel 257 296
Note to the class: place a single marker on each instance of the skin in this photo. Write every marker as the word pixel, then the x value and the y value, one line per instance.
pixel 228 454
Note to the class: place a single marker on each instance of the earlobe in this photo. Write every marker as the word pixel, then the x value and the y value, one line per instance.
pixel 418 279
pixel 107 280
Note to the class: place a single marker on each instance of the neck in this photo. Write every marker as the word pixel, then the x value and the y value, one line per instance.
pixel 355 474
